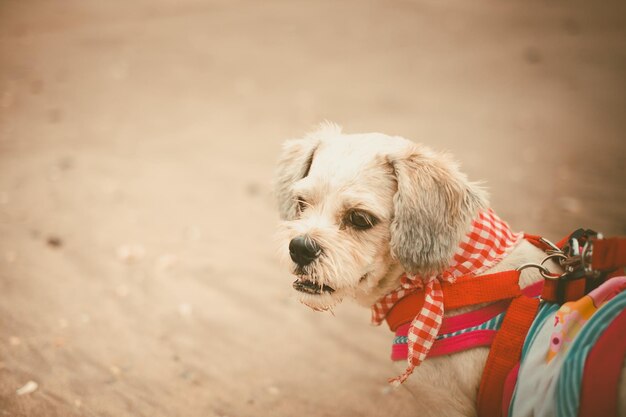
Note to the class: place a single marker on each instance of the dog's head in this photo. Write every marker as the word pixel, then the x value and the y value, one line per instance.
pixel 360 209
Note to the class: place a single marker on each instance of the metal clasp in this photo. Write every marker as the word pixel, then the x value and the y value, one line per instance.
pixel 545 272
pixel 586 257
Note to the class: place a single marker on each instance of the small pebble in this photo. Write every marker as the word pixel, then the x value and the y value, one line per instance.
pixel 572 27
pixel 272 390
pixel 10 256
pixel 122 291
pixel 192 233
pixel 54 241
pixel 131 252
pixel 28 388
pixel 15 341
pixel 166 262
pixel 532 55
pixel 185 310
pixel 253 189
pixel 386 390
pixel 65 163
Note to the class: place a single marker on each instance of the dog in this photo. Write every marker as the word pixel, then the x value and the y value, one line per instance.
pixel 360 211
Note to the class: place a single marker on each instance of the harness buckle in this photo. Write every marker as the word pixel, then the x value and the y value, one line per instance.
pixel 575 256
pixel 586 258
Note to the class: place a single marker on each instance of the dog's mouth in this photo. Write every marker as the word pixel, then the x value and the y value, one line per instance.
pixel 307 286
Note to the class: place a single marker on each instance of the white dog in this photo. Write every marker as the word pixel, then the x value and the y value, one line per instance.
pixel 359 211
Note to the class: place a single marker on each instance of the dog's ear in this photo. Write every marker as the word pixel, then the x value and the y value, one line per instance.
pixel 293 165
pixel 433 209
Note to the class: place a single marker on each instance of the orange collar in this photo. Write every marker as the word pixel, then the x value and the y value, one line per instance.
pixel 466 291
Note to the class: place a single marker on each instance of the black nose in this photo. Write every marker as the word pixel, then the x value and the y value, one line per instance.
pixel 303 250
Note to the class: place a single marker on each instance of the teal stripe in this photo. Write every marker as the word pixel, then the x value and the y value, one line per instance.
pixel 400 340
pixel 545 310
pixel 493 323
pixel 570 378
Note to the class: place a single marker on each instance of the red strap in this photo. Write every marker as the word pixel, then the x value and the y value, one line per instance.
pixel 536 241
pixel 482 289
pixel 466 291
pixel 561 291
pixel 603 369
pixel 505 353
pixel 609 254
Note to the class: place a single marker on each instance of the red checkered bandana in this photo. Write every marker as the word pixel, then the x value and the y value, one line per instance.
pixel 487 242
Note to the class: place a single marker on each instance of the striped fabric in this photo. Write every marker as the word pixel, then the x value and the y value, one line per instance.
pixel 570 378
pixel 491 324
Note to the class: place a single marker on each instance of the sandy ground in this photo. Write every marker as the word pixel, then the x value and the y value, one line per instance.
pixel 138 276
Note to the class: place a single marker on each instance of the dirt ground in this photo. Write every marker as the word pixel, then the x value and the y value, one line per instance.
pixel 138 275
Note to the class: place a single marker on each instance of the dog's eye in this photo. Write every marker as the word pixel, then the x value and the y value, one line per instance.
pixel 360 220
pixel 302 204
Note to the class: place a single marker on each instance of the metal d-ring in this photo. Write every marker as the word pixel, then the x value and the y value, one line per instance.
pixel 586 255
pixel 587 251
pixel 533 265
pixel 553 255
pixel 542 270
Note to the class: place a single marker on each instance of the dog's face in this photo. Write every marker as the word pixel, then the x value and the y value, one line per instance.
pixel 360 209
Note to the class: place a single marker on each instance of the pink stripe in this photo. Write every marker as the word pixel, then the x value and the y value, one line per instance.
pixel 399 352
pixel 533 290
pixel 450 345
pixel 403 330
pixel 473 318
pixel 461 342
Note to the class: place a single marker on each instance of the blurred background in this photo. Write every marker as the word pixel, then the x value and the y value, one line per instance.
pixel 138 276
